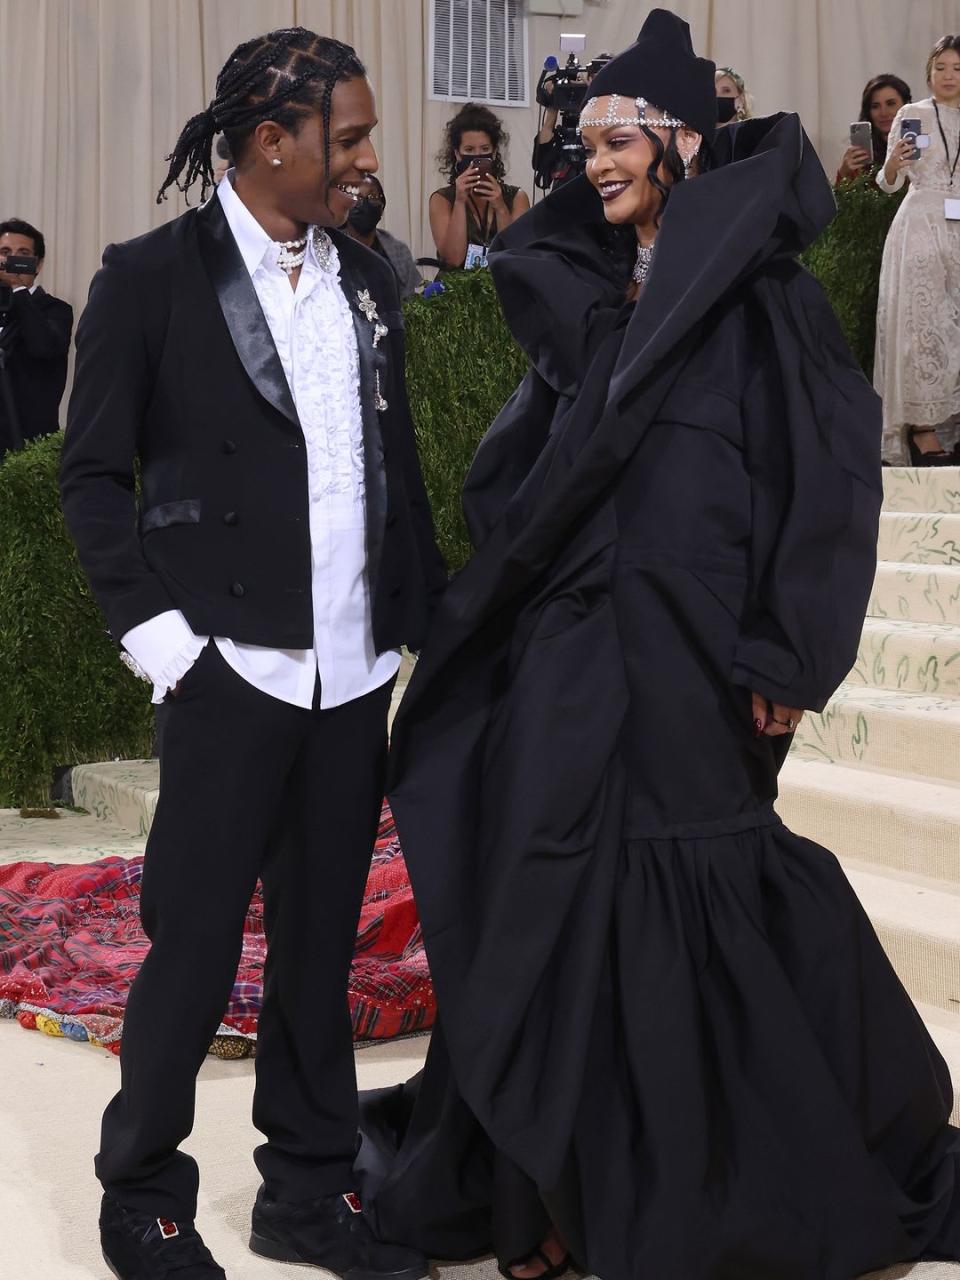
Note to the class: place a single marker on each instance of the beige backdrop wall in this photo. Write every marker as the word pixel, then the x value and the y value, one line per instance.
pixel 93 92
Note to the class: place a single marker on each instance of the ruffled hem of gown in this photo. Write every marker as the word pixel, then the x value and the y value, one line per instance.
pixel 760 1098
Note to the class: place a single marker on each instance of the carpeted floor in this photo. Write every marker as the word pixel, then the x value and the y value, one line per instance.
pixel 50 1109
pixel 71 943
pixel 50 1106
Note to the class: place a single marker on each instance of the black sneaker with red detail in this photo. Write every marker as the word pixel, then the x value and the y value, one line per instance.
pixel 331 1233
pixel 138 1247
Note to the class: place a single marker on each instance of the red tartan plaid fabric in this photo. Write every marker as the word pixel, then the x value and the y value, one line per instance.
pixel 71 944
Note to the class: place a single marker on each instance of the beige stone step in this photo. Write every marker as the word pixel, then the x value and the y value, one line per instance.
pixel 919 537
pixel 121 792
pixel 921 489
pixel 916 593
pixel 899 823
pixel 918 922
pixel 72 837
pixel 908 733
pixel 915 657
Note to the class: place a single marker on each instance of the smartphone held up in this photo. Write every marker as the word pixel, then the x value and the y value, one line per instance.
pixel 912 131
pixel 861 136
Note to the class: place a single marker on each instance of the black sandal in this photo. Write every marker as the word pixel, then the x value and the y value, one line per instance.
pixel 554 1270
pixel 935 458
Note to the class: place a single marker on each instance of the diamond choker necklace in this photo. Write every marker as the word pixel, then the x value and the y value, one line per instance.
pixel 641 268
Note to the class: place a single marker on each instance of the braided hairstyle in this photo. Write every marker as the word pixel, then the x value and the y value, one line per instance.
pixel 283 76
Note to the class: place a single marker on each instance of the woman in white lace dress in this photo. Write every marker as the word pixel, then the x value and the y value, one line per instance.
pixel 917 370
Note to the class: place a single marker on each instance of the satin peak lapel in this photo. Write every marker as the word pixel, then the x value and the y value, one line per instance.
pixel 241 309
pixel 369 328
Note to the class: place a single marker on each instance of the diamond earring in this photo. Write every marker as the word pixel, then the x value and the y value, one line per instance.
pixel 687 162
pixel 276 161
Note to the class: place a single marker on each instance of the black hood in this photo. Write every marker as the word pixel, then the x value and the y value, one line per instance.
pixel 662 67
pixel 765 200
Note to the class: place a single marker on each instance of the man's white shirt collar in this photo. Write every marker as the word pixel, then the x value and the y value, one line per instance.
pixel 256 247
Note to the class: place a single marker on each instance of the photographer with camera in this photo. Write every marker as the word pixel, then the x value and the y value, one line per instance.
pixel 557 153
pixel 477 202
pixel 35 331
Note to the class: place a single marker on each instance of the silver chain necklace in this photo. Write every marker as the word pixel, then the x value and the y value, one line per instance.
pixel 641 268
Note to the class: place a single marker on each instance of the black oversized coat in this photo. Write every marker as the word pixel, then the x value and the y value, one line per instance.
pixel 663 1011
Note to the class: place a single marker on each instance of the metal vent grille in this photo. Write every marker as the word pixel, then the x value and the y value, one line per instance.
pixel 478 51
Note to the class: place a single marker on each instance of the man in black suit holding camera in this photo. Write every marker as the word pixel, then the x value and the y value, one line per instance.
pixel 35 333
pixel 250 358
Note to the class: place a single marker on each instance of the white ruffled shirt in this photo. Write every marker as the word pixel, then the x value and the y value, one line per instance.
pixel 312 328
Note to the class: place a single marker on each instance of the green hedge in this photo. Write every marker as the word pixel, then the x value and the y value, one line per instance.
pixel 64 696
pixel 462 366
pixel 846 260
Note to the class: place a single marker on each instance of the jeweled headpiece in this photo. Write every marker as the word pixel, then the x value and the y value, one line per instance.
pixel 591 116
pixel 661 67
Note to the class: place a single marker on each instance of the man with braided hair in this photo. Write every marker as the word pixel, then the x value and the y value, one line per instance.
pixel 281 552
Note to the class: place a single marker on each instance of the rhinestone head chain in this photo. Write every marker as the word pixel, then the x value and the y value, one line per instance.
pixel 591 117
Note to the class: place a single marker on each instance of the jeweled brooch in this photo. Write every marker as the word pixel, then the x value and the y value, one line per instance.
pixel 380 331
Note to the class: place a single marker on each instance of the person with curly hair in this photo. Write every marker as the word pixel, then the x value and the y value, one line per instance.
pixel 477 203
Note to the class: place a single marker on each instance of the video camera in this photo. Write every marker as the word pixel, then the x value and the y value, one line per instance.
pixel 24 265
pixel 17 264
pixel 564 89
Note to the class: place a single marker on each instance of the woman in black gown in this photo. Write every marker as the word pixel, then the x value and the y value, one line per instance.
pixel 667 1029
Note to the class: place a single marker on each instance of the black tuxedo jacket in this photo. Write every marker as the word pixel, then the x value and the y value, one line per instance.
pixel 36 342
pixel 177 369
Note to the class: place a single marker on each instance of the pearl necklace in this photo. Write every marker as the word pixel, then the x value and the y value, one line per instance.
pixel 292 254
pixel 641 268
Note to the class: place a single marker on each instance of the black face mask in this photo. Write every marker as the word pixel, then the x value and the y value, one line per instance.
pixel 726 110
pixel 365 215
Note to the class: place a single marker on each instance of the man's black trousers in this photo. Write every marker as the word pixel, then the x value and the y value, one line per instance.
pixel 250 786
